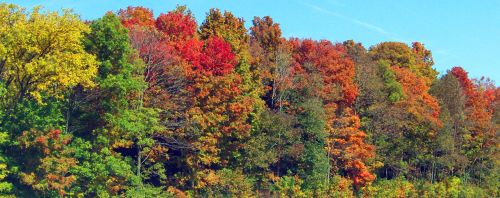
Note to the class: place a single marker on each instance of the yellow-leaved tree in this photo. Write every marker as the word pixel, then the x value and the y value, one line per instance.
pixel 41 52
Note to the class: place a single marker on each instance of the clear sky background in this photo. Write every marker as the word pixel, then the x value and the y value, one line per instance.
pixel 458 32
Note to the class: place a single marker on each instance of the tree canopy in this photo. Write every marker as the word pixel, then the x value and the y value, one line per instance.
pixel 129 105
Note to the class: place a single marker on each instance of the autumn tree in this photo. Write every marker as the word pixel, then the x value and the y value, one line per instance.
pixel 225 97
pixel 406 126
pixel 232 29
pixel 346 147
pixel 48 170
pixel 41 56
pixel 417 58
pixel 219 113
pixel 480 138
pixel 178 25
pixel 136 16
pixel 41 59
pixel 273 57
pixel 167 50
pixel 35 46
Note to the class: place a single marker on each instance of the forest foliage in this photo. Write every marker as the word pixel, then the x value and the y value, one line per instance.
pixel 129 105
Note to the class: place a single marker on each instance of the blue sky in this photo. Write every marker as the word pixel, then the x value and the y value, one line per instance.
pixel 459 32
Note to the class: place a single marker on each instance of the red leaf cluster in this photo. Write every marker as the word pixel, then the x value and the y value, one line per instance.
pixel 139 16
pixel 479 100
pixel 176 25
pixel 332 61
pixel 216 58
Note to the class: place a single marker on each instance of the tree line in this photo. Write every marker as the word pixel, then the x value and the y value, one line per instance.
pixel 129 105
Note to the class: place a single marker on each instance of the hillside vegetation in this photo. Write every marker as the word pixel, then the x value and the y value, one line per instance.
pixel 129 105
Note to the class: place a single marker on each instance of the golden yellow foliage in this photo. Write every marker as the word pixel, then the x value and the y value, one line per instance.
pixel 42 52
